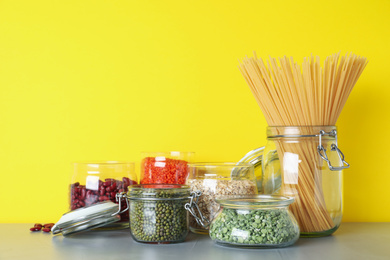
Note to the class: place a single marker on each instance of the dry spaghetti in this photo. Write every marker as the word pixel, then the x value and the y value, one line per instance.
pixel 309 95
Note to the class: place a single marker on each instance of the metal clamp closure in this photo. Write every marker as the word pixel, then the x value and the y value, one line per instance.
pixel 193 208
pixel 322 151
pixel 118 198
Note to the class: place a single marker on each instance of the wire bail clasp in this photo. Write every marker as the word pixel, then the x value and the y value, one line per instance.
pixel 322 151
pixel 118 198
pixel 192 205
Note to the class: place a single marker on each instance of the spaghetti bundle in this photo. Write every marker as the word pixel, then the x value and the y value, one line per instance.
pixel 309 95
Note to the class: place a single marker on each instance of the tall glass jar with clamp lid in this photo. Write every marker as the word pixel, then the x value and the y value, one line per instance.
pixel 311 165
pixel 304 162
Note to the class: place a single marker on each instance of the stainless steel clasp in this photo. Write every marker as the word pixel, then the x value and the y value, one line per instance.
pixel 119 198
pixel 193 205
pixel 322 151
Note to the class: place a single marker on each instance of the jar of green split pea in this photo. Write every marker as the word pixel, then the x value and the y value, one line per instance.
pixel 258 221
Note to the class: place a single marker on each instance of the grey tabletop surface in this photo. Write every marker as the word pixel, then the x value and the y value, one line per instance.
pixel 350 241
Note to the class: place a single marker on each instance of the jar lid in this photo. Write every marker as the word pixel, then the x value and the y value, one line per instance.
pixel 82 219
pixel 253 157
pixel 255 201
pixel 159 191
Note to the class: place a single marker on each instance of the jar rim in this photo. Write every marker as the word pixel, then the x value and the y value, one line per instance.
pixel 172 153
pixel 103 162
pixel 220 164
pixel 270 126
pixel 158 191
pixel 160 186
pixel 299 131
pixel 255 201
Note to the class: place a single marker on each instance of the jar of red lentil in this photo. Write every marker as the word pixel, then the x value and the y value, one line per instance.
pixel 94 182
pixel 165 167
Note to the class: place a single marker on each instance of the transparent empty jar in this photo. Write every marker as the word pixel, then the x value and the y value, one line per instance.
pixel 255 222
pixel 218 179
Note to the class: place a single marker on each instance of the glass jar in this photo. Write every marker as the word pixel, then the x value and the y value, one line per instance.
pixel 94 182
pixel 305 162
pixel 158 212
pixel 218 179
pixel 255 222
pixel 165 167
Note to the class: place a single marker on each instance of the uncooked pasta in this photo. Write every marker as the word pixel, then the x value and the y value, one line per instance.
pixel 312 94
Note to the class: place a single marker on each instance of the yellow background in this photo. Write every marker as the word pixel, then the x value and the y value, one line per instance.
pixel 105 80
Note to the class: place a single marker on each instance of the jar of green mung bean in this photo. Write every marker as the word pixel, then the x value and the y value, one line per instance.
pixel 159 212
pixel 259 221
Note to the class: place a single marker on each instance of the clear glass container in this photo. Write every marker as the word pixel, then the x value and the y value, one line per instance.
pixel 304 162
pixel 261 221
pixel 165 167
pixel 158 214
pixel 218 179
pixel 94 182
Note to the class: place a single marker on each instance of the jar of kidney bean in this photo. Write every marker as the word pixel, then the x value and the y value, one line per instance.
pixel 94 182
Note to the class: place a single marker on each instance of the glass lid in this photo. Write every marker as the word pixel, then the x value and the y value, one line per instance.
pixel 82 219
pixel 255 201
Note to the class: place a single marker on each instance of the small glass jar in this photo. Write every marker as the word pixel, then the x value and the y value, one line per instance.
pixel 261 221
pixel 165 167
pixel 218 179
pixel 158 212
pixel 94 182
pixel 305 162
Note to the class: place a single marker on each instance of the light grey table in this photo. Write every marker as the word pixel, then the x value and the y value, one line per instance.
pixel 352 241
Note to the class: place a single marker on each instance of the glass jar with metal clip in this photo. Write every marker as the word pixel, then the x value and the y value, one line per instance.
pixel 159 212
pixel 305 162
pixel 215 180
pixel 310 165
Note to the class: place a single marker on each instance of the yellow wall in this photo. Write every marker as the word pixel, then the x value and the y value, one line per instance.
pixel 84 80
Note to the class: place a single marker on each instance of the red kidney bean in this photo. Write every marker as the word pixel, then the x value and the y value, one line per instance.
pixel 47 230
pixel 132 182
pixel 101 198
pixel 83 193
pixel 75 184
pixel 81 196
pixel 48 225
pixel 126 180
pixel 37 225
pixel 35 229
pixel 107 183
